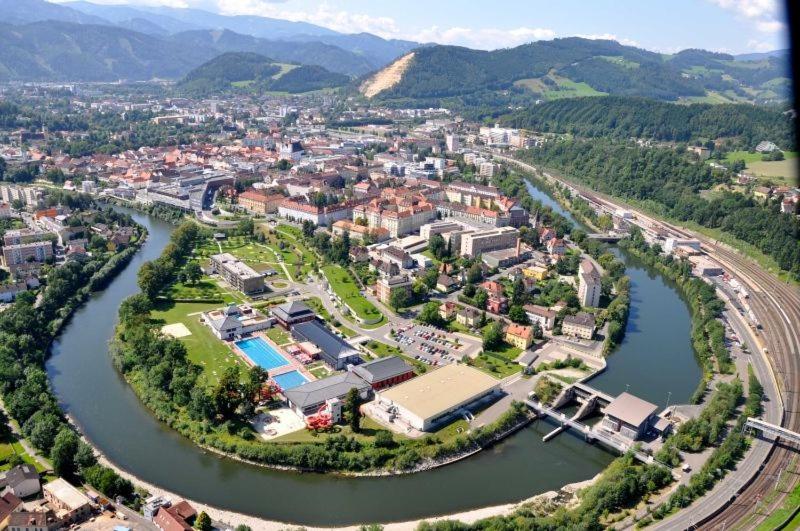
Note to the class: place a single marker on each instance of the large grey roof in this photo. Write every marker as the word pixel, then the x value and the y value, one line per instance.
pixel 319 391
pixel 331 344
pixel 382 369
pixel 630 409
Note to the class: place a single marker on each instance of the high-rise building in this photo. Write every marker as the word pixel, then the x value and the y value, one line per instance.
pixel 588 284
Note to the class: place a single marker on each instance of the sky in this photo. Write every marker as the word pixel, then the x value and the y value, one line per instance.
pixel 732 26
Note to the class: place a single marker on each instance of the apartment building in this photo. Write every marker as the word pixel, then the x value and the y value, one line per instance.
pixel 238 274
pixel 386 286
pixel 260 202
pixel 25 253
pixel 588 284
pixel 475 243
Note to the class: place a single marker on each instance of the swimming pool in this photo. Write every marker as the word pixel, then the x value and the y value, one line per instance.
pixel 261 353
pixel 289 379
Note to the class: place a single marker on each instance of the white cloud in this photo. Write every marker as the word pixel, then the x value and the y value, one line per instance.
pixel 483 38
pixel 766 14
pixel 609 37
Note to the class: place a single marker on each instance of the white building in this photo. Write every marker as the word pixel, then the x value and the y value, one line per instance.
pixel 452 143
pixel 588 284
pixel 479 242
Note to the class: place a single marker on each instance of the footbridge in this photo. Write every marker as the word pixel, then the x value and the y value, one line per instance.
pixel 771 429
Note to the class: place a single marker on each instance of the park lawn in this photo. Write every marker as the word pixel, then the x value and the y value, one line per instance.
pixel 345 287
pixel 779 172
pixel 202 347
pixel 279 336
pixel 499 363
pixel 242 247
pixel 12 446
pixel 205 288
pixel 292 231
pixel 315 304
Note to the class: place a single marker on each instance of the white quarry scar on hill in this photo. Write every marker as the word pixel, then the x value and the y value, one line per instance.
pixel 386 78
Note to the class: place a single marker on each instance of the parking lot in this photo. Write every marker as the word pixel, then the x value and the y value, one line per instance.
pixel 433 346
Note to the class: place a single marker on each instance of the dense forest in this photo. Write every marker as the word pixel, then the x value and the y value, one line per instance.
pixel 251 71
pixel 440 72
pixel 620 117
pixel 666 181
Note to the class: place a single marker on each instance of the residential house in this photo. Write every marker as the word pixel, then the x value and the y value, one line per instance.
pixel 521 336
pixel 9 503
pixel 468 317
pixel 445 283
pixel 447 310
pixel 178 517
pixel 539 314
pixel 580 325
pixel 22 481
pixel 70 504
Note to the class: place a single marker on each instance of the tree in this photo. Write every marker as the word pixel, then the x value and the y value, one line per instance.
pixel 193 272
pixel 518 315
pixel 227 396
pixel 246 226
pixel 399 298
pixel 135 307
pixel 308 228
pixel 352 401
pixel 65 448
pixel 480 298
pixel 493 336
pixel 84 456
pixel 518 295
pixel 474 273
pixel 430 314
pixel 437 246
pixel 538 333
pixel 202 522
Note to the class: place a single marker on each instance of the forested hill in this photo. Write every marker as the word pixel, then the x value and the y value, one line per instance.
pixel 251 71
pixel 620 117
pixel 665 181
pixel 575 67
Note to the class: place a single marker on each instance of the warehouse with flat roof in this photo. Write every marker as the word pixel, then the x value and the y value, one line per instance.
pixel 428 400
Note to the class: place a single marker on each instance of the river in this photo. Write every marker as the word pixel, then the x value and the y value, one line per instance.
pixel 655 358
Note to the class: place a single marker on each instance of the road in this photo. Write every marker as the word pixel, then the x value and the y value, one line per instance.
pixel 776 305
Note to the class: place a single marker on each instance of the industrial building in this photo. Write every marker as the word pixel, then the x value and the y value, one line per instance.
pixel 432 398
pixel 629 416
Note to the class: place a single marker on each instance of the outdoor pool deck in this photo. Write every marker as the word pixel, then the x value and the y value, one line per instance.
pixel 284 369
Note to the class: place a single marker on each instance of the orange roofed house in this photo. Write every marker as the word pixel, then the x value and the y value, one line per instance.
pixel 175 518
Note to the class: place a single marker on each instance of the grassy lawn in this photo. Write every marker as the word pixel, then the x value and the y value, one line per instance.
pixel 319 370
pixel 346 288
pixel 499 363
pixel 202 346
pixel 779 515
pixel 279 335
pixel 12 446
pixel 748 157
pixel 202 289
pixel 315 304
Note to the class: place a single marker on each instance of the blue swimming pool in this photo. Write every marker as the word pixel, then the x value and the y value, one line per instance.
pixel 262 353
pixel 290 379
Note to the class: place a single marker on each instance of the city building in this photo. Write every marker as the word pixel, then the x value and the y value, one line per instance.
pixel 431 398
pixel 398 216
pixel 69 503
pixel 26 257
pixel 580 325
pixel 588 284
pixel 33 521
pixel 520 336
pixel 238 274
pixel 291 313
pixel 334 350
pixel 386 286
pixel 452 143
pixel 629 416
pixel 385 372
pixel 360 233
pixel 447 310
pixel 307 399
pixel 260 201
pixel 476 243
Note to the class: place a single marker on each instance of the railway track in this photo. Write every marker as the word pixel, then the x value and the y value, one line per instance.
pixel 777 307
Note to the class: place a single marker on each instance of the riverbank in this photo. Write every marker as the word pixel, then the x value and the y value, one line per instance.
pixel 563 497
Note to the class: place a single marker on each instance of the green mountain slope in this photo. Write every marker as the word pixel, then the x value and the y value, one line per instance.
pixel 577 67
pixel 251 71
